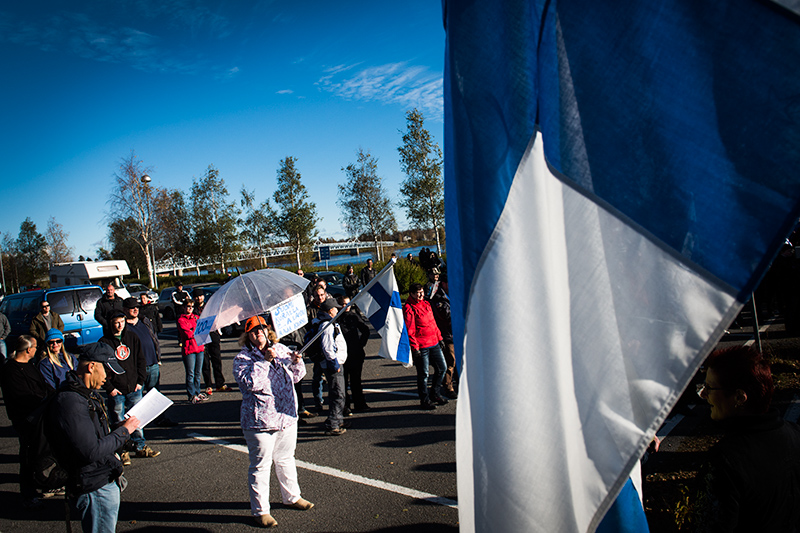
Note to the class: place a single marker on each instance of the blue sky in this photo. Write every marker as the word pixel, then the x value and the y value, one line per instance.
pixel 189 83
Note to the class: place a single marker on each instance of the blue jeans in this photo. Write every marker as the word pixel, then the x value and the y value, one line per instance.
pixel 316 386
pixel 193 363
pixel 3 352
pixel 431 355
pixel 99 509
pixel 117 407
pixel 335 398
pixel 151 381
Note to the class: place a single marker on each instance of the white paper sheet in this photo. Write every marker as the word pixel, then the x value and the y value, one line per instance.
pixel 153 404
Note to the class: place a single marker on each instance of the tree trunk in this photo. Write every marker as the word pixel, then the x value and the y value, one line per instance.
pixel 377 245
pixel 150 272
pixel 438 242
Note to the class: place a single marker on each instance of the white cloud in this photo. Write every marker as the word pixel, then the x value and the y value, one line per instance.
pixel 395 83
pixel 87 37
pixel 285 91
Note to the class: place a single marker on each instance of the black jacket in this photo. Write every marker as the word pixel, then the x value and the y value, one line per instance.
pixel 356 334
pixel 129 355
pixel 440 304
pixel 105 307
pixel 81 439
pixel 752 480
pixel 350 284
pixel 365 275
pixel 151 311
pixel 24 388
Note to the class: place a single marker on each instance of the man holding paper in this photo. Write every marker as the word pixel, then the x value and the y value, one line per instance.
pixel 125 390
pixel 87 446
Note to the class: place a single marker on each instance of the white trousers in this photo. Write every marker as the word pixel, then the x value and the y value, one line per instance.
pixel 264 448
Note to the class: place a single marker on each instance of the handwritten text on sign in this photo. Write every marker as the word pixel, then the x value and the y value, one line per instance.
pixel 289 316
pixel 203 328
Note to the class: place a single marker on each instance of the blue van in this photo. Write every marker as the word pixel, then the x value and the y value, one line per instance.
pixel 74 304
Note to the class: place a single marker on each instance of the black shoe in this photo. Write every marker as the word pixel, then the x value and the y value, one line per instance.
pixel 32 503
pixel 335 432
pixel 427 406
pixel 440 401
pixel 347 412
pixel 360 408
pixel 453 395
pixel 166 423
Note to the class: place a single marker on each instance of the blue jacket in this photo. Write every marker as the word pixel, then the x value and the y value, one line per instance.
pixel 78 429
pixel 54 375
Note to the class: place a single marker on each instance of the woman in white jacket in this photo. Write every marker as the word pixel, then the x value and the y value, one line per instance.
pixel 266 372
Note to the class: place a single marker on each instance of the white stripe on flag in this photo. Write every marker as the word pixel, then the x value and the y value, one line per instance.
pixel 595 326
pixel 380 302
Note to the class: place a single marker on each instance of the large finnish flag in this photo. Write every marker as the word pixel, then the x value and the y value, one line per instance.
pixel 380 302
pixel 619 175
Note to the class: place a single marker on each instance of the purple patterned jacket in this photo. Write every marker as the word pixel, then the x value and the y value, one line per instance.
pixel 269 402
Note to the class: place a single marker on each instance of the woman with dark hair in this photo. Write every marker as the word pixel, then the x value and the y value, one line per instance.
pixel 192 353
pixel 752 481
pixel 266 372
pixel 24 389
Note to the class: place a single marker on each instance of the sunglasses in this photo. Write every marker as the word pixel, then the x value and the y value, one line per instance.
pixel 54 342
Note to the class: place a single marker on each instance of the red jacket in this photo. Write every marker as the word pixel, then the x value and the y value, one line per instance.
pixel 422 329
pixel 186 325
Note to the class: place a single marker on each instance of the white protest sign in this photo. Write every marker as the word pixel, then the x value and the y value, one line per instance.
pixel 202 330
pixel 289 316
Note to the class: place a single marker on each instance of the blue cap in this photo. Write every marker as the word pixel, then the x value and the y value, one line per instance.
pixel 53 334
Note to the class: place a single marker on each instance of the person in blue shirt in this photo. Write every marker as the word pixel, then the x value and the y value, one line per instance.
pixel 55 361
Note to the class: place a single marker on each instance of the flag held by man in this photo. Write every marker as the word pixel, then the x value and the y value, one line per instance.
pixel 380 302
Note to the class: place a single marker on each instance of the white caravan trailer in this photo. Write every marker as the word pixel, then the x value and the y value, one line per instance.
pixel 90 273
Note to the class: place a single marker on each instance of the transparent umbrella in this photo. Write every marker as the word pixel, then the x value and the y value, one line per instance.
pixel 247 295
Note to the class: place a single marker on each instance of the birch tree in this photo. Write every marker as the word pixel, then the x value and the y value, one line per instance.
pixel 365 206
pixel 296 218
pixel 56 239
pixel 423 190
pixel 132 198
pixel 213 217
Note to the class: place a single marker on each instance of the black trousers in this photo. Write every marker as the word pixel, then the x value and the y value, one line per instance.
pixel 352 377
pixel 27 487
pixel 213 359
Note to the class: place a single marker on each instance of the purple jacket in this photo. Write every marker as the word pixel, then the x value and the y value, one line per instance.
pixel 269 401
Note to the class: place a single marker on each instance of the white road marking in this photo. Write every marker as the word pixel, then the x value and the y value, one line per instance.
pixel 401 393
pixel 341 474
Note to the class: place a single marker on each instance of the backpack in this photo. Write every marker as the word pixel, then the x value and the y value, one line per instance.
pixel 314 351
pixel 47 473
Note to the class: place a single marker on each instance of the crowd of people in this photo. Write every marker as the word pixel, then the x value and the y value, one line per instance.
pixel 125 364
pixel 46 386
pixel 741 485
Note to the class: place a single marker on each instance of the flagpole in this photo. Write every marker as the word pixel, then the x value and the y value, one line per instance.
pixel 333 320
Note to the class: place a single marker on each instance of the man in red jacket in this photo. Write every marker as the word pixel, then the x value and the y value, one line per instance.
pixel 424 337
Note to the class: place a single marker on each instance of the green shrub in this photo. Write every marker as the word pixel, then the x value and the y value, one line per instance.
pixel 407 273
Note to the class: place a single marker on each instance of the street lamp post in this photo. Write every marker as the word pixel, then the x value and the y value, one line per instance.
pixel 146 179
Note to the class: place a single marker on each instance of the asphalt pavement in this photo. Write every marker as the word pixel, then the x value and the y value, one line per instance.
pixel 393 470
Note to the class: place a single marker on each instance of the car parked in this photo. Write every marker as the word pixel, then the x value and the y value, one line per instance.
pixel 333 280
pixel 137 289
pixel 74 304
pixel 167 307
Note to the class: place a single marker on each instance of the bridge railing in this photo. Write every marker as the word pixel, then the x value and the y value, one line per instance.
pixel 169 263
